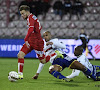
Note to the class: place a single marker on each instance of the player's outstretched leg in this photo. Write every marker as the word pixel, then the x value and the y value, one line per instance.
pixel 54 70
pixel 79 66
pixel 20 64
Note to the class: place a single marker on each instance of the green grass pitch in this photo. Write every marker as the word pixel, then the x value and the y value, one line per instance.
pixel 45 80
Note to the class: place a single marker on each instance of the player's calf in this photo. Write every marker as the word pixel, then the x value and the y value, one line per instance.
pixel 54 70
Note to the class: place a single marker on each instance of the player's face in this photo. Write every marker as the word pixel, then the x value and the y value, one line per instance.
pixel 24 14
pixel 77 52
pixel 46 36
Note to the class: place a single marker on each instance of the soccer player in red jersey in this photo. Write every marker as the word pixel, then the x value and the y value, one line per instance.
pixel 33 39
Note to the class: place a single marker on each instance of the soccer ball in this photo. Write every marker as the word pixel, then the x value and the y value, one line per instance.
pixel 13 76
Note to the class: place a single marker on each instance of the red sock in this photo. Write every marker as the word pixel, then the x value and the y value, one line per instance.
pixel 20 65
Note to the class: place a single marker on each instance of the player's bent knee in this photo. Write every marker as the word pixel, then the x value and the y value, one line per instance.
pixel 51 68
pixel 21 54
pixel 54 68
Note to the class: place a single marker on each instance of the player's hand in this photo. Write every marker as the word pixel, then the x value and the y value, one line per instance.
pixel 27 44
pixel 49 43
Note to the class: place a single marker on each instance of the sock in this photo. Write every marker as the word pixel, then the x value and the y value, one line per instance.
pixel 97 67
pixel 74 73
pixel 89 73
pixel 20 66
pixel 57 75
pixel 40 67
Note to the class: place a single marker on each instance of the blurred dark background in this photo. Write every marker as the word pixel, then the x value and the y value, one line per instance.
pixel 64 18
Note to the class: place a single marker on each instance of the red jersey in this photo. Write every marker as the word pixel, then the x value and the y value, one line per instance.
pixel 34 36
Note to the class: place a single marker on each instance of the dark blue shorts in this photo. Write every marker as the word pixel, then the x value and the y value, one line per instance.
pixel 62 62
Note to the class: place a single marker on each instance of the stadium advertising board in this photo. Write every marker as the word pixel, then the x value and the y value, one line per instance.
pixel 93 46
pixel 11 47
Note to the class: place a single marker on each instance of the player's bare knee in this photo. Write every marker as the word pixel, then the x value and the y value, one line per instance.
pixel 54 68
pixel 51 68
pixel 20 55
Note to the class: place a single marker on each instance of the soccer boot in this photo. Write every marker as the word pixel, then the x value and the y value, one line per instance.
pixel 20 76
pixel 59 55
pixel 66 79
pixel 35 77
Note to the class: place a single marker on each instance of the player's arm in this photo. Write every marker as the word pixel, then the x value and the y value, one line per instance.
pixel 74 74
pixel 38 71
pixel 60 45
pixel 56 43
pixel 30 30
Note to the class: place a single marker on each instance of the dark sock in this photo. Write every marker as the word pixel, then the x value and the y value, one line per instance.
pixel 57 75
pixel 89 73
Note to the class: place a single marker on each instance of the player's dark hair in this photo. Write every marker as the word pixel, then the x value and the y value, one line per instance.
pixel 80 48
pixel 24 7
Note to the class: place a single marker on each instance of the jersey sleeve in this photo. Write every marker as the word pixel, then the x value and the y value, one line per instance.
pixel 31 22
pixel 81 59
pixel 30 28
pixel 58 44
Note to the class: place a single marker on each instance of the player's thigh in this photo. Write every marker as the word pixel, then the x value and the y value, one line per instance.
pixel 21 54
pixel 24 50
pixel 77 65
pixel 55 68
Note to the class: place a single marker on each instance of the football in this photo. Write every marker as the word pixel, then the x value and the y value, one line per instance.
pixel 13 76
